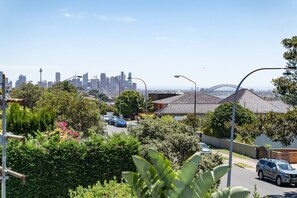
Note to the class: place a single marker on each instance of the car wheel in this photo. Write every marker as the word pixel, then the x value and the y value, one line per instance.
pixel 278 181
pixel 261 176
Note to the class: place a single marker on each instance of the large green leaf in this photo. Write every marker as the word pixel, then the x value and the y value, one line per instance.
pixel 146 170
pixel 206 180
pixel 235 192
pixel 188 169
pixel 163 167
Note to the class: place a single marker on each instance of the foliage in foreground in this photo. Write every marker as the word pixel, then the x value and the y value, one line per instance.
pixel 159 179
pixel 111 189
pixel 53 167
pixel 172 138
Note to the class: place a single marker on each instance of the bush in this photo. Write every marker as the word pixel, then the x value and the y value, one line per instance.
pixel 53 168
pixel 110 189
pixel 23 121
pixel 172 138
pixel 219 123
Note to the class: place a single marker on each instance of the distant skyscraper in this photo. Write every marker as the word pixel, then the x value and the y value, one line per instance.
pixel 22 79
pixel 123 78
pixel 58 77
pixel 94 83
pixel 130 78
pixel 103 80
pixel 50 84
pixel 40 71
pixel 85 80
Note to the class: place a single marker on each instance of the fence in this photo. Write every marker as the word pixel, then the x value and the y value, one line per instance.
pixel 244 149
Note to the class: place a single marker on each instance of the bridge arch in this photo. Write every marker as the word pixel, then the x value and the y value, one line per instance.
pixel 211 89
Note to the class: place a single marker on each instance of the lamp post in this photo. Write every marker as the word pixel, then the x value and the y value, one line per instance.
pixel 234 111
pixel 194 123
pixel 145 91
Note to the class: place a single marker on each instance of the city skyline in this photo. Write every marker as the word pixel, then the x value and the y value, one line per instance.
pixel 210 42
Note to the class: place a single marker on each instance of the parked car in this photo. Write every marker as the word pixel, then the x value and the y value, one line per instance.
pixel 205 148
pixel 112 120
pixel 120 123
pixel 105 118
pixel 277 170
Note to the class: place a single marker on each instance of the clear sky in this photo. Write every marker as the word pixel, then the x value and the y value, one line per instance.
pixel 209 41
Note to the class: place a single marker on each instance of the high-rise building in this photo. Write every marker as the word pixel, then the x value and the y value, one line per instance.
pixel 22 79
pixel 95 83
pixel 58 77
pixel 103 80
pixel 85 81
pixel 123 78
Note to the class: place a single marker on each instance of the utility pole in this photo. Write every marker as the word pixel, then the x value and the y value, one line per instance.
pixel 4 137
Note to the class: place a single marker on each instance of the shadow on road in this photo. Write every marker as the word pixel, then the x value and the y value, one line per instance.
pixel 286 194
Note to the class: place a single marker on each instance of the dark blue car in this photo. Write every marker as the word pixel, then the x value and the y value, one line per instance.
pixel 120 123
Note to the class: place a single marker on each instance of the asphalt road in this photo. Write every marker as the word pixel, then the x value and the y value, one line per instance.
pixel 113 129
pixel 248 178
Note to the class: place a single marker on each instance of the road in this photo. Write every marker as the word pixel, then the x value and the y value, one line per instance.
pixel 248 178
pixel 113 129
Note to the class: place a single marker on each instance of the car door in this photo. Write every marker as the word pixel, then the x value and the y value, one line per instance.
pixel 272 170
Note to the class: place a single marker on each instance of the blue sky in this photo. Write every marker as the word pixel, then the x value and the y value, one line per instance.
pixel 211 42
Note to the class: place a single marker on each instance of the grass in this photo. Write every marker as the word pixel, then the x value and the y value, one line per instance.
pixel 233 154
pixel 243 165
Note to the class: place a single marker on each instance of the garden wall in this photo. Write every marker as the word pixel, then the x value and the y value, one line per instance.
pixel 244 149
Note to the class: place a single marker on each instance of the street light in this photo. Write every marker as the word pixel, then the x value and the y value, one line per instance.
pixel 194 123
pixel 145 91
pixel 234 110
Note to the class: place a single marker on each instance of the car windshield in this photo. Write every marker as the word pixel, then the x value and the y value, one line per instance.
pixel 285 166
pixel 203 145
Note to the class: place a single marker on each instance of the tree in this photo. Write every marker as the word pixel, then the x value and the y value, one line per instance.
pixel 130 102
pixel 159 179
pixel 279 127
pixel 22 121
pixel 96 94
pixel 172 138
pixel 286 86
pixel 190 120
pixel 29 92
pixel 80 113
pixel 219 123
pixel 63 86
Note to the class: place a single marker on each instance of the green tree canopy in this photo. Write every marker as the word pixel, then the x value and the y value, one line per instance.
pixel 80 113
pixel 174 139
pixel 96 94
pixel 279 127
pixel 286 86
pixel 219 123
pixel 63 86
pixel 130 103
pixel 29 92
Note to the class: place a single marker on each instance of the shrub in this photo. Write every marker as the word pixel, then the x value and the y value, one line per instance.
pixel 23 121
pixel 111 189
pixel 220 119
pixel 52 168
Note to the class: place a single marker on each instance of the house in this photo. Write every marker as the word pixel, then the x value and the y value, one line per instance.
pixel 256 104
pixel 180 105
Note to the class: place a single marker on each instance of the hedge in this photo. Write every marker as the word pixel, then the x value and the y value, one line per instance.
pixel 52 168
